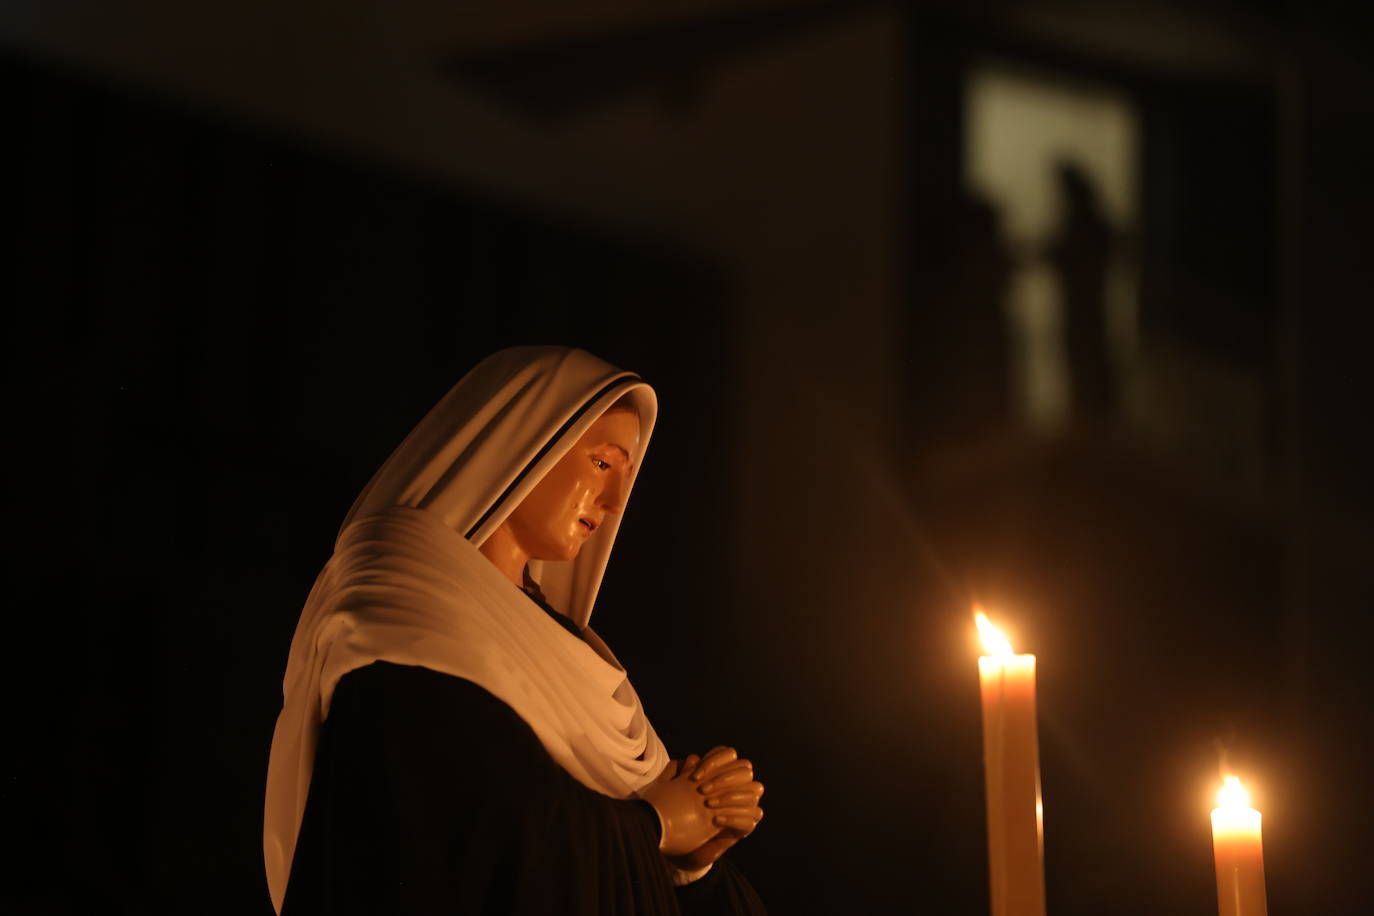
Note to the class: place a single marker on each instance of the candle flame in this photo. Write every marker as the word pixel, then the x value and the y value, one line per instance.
pixel 996 644
pixel 1232 794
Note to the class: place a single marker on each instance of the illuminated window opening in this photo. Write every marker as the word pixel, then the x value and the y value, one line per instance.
pixel 1020 129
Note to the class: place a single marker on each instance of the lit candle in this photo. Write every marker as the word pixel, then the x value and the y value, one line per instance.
pixel 1011 768
pixel 1239 856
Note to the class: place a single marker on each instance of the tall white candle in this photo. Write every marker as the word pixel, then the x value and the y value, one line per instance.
pixel 1239 853
pixel 1011 768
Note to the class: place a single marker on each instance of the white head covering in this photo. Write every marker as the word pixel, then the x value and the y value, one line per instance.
pixel 406 584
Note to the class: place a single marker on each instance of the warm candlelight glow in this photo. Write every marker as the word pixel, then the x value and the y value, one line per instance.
pixel 1239 853
pixel 1233 812
pixel 1011 775
pixel 1233 794
pixel 994 642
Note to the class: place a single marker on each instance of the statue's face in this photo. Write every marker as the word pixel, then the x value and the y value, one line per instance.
pixel 586 485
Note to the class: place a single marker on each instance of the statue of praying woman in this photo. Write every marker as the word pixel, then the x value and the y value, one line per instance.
pixel 454 737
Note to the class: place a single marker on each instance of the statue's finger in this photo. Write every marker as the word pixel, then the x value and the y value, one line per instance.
pixel 714 759
pixel 733 776
pixel 735 797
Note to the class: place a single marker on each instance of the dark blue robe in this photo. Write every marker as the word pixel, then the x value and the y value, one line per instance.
pixel 431 796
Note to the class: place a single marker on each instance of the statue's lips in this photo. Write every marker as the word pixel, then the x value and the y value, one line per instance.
pixel 589 524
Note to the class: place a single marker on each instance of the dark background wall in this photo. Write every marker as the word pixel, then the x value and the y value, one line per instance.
pixel 224 311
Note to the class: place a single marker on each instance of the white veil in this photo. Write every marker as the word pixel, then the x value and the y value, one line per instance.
pixel 406 584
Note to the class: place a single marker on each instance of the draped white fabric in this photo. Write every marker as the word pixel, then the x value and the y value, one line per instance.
pixel 406 584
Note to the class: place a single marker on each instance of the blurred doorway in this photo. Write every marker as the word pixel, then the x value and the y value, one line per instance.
pixel 1057 162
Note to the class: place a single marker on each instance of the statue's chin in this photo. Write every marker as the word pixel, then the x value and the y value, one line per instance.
pixel 560 555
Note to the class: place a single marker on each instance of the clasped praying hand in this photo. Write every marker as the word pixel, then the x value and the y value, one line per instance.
pixel 706 805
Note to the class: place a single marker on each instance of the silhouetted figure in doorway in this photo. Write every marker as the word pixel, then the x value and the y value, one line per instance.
pixel 1080 253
